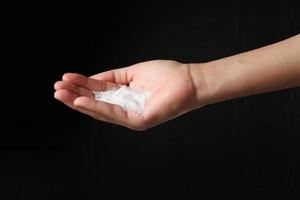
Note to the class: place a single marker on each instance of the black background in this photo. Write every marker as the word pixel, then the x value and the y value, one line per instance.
pixel 246 148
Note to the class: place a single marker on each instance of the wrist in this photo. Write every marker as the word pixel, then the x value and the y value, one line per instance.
pixel 203 90
pixel 224 79
pixel 211 81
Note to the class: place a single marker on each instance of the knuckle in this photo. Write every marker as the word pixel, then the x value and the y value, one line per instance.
pixel 96 117
pixel 139 127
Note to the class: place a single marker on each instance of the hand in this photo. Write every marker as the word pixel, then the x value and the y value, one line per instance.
pixel 174 93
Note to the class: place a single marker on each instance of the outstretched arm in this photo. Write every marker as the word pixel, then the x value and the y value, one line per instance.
pixel 179 88
pixel 270 68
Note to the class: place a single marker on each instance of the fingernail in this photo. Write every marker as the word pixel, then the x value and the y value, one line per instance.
pixel 55 95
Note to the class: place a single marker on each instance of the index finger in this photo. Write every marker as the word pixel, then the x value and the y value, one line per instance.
pixel 87 82
pixel 121 75
pixel 110 111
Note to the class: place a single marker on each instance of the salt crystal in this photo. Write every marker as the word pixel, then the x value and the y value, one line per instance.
pixel 124 96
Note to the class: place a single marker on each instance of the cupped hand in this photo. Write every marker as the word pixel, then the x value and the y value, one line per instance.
pixel 173 93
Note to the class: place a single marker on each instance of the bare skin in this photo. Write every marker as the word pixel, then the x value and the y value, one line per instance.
pixel 173 93
pixel 179 88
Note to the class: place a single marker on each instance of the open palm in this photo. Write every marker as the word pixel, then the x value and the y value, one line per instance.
pixel 173 93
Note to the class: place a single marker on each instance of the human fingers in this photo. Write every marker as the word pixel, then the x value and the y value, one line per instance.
pixel 111 112
pixel 67 97
pixel 120 76
pixel 80 91
pixel 88 83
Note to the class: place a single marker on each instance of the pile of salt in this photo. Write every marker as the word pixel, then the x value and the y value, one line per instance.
pixel 125 97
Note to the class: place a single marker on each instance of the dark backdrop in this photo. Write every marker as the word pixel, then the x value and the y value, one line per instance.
pixel 245 148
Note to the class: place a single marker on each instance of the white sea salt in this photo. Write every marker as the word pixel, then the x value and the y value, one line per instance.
pixel 124 96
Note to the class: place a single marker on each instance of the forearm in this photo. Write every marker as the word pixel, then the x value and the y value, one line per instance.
pixel 270 68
